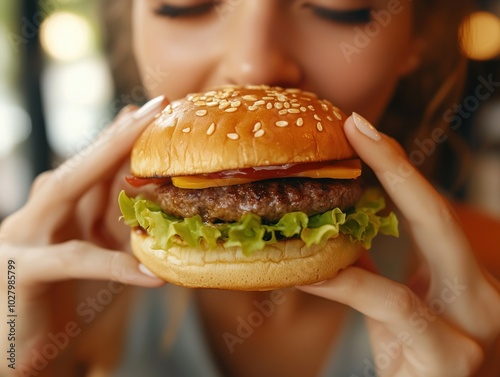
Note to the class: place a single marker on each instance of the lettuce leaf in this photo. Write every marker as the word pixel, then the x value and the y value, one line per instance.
pixel 361 224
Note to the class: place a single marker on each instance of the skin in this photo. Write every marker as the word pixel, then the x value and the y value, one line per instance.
pixel 271 42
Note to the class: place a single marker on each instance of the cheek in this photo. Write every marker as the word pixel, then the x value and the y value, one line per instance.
pixel 361 67
pixel 172 60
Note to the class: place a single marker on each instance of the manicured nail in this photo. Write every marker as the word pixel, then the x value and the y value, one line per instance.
pixel 146 271
pixel 365 127
pixel 148 107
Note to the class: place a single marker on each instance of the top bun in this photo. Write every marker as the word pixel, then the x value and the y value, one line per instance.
pixel 234 127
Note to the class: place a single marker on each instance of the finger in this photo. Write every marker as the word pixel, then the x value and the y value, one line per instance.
pixel 431 221
pixel 97 161
pixel 77 260
pixel 401 312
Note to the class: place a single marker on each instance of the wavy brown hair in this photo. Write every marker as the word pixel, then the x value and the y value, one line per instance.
pixel 418 106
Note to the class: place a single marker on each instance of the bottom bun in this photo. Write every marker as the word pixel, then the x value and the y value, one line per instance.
pixel 283 264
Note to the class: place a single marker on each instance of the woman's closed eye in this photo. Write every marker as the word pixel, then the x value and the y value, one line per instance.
pixel 344 16
pixel 175 11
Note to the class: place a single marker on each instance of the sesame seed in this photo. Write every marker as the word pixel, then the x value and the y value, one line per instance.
pixel 305 98
pixel 259 133
pixel 329 118
pixel 317 117
pixel 339 117
pixel 300 122
pixel 249 97
pixel 233 136
pixel 310 107
pixel 269 106
pixel 278 105
pixel 223 105
pixel 324 106
pixel 287 105
pixel 292 90
pixel 236 104
pixel 201 113
pixel 192 96
pixel 293 111
pixel 257 126
pixel 211 93
pixel 231 110
pixel 212 104
pixel 252 108
pixel 258 103
pixel 186 130
pixel 303 109
pixel 282 123
pixel 168 109
pixel 211 129
pixel 295 105
pixel 283 112
pixel 319 126
pixel 293 100
pixel 200 103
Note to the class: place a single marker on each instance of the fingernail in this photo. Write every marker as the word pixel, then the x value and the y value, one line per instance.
pixel 365 127
pixel 313 284
pixel 146 271
pixel 148 107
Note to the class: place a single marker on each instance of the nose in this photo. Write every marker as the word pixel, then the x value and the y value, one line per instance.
pixel 258 49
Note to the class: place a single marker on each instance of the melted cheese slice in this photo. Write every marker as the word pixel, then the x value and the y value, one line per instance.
pixel 340 170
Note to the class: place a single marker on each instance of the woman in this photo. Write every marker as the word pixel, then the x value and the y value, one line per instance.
pixel 382 59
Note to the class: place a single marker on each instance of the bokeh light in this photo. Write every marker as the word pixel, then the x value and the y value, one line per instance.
pixel 481 36
pixel 66 36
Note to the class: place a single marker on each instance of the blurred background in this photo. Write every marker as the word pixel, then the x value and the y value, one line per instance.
pixel 57 93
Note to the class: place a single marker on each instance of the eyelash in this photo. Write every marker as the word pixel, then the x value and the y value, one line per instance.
pixel 173 11
pixel 355 16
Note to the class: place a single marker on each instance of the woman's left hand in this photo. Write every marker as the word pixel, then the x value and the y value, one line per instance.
pixel 451 329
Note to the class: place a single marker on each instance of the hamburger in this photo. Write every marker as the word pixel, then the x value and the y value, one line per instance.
pixel 249 188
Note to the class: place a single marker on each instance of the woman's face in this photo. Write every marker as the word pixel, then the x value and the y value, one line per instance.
pixel 352 52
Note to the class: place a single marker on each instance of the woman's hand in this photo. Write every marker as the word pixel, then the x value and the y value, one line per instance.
pixel 67 230
pixel 453 327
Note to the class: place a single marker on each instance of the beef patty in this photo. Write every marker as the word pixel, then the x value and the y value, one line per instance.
pixel 269 199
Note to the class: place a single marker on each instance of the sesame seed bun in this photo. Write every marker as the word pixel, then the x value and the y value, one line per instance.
pixel 283 264
pixel 237 128
pixel 242 127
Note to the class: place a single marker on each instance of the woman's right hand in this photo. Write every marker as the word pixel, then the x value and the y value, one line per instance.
pixel 65 238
